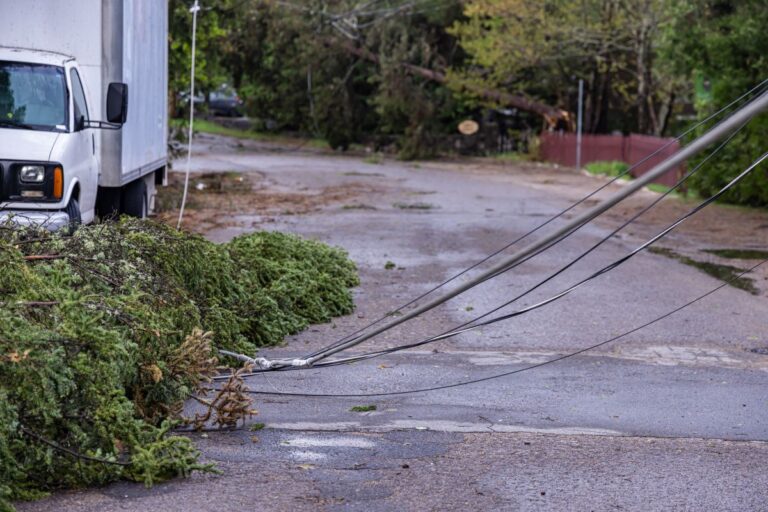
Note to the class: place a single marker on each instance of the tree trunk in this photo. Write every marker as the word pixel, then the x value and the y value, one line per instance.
pixel 551 114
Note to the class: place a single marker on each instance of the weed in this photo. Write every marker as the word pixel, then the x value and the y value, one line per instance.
pixel 363 408
pixel 739 254
pixel 358 207
pixel 375 159
pixel 414 206
pixel 389 265
pixel 366 174
pixel 611 169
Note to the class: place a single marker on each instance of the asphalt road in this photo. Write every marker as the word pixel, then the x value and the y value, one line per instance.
pixel 673 417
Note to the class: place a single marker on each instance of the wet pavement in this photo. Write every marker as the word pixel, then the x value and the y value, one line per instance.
pixel 672 417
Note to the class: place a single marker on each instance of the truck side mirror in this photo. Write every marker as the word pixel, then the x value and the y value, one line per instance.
pixel 117 103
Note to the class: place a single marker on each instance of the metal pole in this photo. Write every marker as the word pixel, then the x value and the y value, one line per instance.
pixel 579 123
pixel 716 133
pixel 194 10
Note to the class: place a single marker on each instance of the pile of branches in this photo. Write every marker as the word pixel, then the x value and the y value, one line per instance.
pixel 105 333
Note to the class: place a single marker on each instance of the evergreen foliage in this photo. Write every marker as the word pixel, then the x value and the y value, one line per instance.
pixel 100 346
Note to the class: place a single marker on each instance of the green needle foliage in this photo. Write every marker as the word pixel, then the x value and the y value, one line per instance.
pixel 97 343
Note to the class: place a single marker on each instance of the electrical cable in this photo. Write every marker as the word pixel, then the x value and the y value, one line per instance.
pixel 352 335
pixel 512 372
pixel 680 182
pixel 723 129
pixel 565 292
pixel 34 435
pixel 605 269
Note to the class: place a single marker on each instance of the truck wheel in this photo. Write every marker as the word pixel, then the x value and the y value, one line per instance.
pixel 73 211
pixel 135 199
pixel 108 202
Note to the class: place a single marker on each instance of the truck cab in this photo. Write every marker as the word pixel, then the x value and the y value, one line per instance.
pixel 49 164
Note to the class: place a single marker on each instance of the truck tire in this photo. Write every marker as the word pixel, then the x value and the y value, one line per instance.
pixel 73 211
pixel 135 199
pixel 108 202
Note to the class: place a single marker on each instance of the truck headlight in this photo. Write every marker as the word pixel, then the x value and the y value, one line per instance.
pixel 32 174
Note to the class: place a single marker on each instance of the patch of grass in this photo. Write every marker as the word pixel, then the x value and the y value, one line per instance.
pixel 366 174
pixel 206 126
pixel 256 427
pixel 389 265
pixel 608 168
pixel 512 156
pixel 414 206
pixel 363 408
pixel 374 159
pixel 739 254
pixel 685 194
pixel 358 207
pixel 726 273
pixel 658 188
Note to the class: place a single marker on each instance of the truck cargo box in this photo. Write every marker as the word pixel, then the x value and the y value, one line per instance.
pixel 113 41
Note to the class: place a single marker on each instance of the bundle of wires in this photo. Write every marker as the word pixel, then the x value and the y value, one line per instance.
pixel 479 322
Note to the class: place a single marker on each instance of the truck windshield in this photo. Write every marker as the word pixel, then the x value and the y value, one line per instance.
pixel 32 97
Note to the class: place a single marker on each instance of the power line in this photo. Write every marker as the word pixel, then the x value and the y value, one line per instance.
pixel 354 336
pixel 715 134
pixel 572 288
pixel 578 258
pixel 512 372
pixel 463 329
pixel 34 435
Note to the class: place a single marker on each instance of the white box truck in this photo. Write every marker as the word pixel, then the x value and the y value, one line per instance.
pixel 70 146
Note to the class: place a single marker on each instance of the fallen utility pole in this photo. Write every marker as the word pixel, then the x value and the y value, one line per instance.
pixel 738 118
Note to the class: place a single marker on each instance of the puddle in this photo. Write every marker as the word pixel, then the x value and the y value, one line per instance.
pixel 739 254
pixel 725 273
pixel 307 455
pixel 326 442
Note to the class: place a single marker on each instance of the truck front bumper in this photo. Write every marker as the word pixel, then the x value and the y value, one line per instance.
pixel 52 220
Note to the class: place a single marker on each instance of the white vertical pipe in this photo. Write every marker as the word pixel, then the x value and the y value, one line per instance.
pixel 195 8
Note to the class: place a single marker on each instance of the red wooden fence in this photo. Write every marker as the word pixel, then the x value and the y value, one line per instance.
pixel 560 148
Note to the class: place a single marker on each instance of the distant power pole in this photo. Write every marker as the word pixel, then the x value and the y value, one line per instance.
pixel 579 123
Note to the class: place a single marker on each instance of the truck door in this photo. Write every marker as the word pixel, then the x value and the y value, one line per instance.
pixel 84 161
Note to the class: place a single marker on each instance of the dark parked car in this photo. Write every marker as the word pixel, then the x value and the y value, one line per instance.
pixel 225 102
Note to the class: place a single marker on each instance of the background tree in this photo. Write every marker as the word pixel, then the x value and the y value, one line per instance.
pixel 543 48
pixel 722 45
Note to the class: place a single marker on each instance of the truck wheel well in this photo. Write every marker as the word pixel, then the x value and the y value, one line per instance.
pixel 76 192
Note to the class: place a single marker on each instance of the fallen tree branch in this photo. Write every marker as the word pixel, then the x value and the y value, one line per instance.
pixel 551 114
